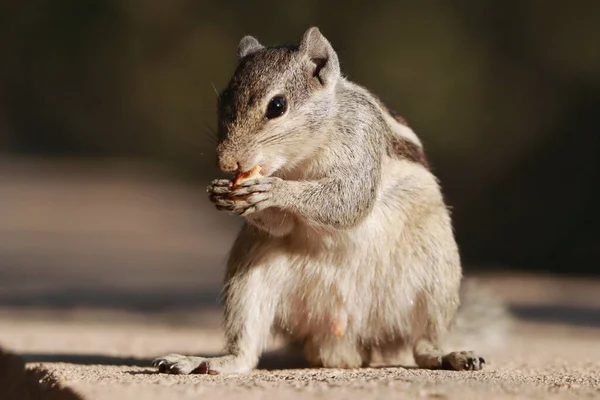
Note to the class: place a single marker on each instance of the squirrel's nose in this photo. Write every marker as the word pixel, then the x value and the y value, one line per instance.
pixel 232 159
pixel 227 162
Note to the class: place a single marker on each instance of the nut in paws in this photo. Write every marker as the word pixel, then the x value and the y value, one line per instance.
pixel 248 197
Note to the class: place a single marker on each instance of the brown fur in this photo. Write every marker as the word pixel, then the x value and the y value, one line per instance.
pixel 407 150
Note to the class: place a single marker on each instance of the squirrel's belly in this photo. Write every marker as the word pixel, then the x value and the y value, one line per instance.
pixel 357 298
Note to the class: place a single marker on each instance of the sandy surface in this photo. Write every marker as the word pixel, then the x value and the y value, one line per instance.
pixel 103 269
pixel 106 355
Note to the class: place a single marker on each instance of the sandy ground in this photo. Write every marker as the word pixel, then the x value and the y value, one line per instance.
pixel 106 355
pixel 101 271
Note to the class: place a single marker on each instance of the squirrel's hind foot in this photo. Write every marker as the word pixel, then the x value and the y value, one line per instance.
pixel 462 361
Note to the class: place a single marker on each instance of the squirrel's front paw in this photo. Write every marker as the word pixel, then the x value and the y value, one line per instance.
pixel 219 192
pixel 247 198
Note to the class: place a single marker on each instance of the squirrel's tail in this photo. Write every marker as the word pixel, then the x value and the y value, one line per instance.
pixel 483 321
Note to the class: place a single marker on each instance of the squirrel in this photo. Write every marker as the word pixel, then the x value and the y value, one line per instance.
pixel 347 249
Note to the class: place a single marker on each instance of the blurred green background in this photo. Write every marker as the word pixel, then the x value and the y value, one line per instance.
pixel 504 94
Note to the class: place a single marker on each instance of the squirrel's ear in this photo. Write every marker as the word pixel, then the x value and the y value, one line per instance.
pixel 320 52
pixel 248 45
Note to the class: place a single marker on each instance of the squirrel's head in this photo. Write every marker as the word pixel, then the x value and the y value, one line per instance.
pixel 275 110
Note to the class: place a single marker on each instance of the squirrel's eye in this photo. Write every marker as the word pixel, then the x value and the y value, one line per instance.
pixel 276 107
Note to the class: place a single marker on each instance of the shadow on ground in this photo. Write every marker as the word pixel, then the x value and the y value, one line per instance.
pixel 558 314
pixel 154 300
pixel 18 382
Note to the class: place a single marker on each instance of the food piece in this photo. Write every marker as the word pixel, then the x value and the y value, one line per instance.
pixel 254 173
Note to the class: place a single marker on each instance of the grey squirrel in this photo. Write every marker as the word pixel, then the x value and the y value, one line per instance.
pixel 347 249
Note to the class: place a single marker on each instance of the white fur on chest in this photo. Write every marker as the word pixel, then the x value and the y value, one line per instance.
pixel 357 277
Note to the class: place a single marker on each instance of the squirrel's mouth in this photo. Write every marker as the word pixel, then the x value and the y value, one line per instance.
pixel 260 167
pixel 261 170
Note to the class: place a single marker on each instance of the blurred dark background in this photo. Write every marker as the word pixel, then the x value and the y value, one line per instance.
pixel 106 108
